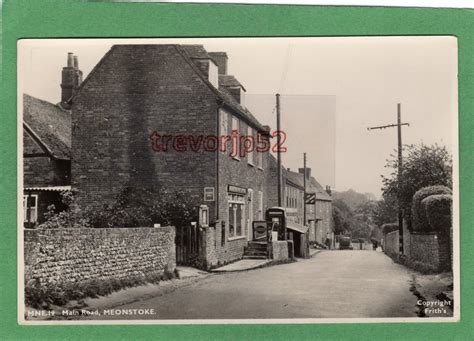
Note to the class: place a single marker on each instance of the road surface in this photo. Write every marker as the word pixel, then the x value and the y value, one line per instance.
pixel 333 284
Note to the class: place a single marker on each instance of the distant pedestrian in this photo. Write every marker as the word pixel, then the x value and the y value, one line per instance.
pixel 327 241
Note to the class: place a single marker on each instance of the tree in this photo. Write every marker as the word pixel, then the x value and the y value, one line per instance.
pixel 386 211
pixel 423 166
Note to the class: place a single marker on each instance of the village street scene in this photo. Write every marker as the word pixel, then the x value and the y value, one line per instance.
pixel 238 179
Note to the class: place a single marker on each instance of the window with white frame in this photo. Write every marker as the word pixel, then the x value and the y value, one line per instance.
pixel 235 146
pixel 236 215
pixel 224 123
pixel 260 159
pixel 30 208
pixel 250 154
pixel 224 131
pixel 260 205
pixel 213 74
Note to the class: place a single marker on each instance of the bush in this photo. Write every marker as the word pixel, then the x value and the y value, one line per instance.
pixel 138 207
pixel 419 218
pixel 72 217
pixel 437 209
pixel 387 228
pixel 134 207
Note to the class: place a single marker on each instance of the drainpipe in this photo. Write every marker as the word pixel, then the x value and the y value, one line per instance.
pixel 218 120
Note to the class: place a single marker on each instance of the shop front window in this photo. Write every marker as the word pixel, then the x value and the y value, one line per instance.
pixel 236 215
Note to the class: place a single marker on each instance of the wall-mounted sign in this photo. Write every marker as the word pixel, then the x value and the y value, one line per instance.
pixel 209 194
pixel 310 198
pixel 236 189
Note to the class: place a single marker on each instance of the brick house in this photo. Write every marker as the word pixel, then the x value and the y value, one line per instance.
pixel 47 148
pixel 318 215
pixel 46 157
pixel 139 94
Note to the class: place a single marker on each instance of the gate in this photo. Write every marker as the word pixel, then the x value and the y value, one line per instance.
pixel 188 243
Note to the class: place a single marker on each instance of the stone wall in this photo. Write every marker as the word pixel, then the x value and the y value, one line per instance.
pixel 74 255
pixel 391 244
pixel 428 249
pixel 279 250
pixel 424 249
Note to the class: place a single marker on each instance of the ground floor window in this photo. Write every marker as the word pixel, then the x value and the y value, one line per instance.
pixel 30 208
pixel 236 215
pixel 260 205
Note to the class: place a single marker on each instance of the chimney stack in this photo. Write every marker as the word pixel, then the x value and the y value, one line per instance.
pixel 328 190
pixel 308 172
pixel 71 79
pixel 70 58
pixel 221 60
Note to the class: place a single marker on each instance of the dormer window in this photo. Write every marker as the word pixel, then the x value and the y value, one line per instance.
pixel 242 97
pixel 213 74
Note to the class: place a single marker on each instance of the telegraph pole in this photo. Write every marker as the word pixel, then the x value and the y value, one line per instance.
pixel 400 168
pixel 304 191
pixel 278 149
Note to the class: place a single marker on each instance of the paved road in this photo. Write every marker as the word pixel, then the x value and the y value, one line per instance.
pixel 332 284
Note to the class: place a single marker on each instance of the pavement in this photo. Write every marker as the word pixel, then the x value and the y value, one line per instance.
pixel 243 265
pixel 335 284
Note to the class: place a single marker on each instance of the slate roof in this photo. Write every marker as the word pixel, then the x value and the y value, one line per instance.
pixel 230 81
pixel 196 51
pixel 49 124
pixel 190 52
pixel 311 185
pixel 321 193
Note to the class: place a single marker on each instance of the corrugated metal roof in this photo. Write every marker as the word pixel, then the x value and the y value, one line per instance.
pixel 50 188
pixel 296 227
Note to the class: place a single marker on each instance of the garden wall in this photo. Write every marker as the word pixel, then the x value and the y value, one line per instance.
pixel 79 254
pixel 424 249
pixel 429 250
pixel 391 244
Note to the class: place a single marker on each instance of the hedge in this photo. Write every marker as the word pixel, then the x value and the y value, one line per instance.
pixel 387 228
pixel 419 218
pixel 437 210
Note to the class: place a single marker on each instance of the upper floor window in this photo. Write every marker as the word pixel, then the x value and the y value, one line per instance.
pixel 251 154
pixel 213 74
pixel 235 146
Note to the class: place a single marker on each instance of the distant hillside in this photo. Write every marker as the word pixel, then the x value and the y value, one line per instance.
pixel 354 199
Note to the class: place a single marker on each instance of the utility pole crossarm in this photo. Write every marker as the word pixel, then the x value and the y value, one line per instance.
pixel 389 126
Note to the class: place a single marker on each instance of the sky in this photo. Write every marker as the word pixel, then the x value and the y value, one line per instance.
pixel 331 89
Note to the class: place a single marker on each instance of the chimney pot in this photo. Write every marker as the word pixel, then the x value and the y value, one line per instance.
pixel 71 78
pixel 70 58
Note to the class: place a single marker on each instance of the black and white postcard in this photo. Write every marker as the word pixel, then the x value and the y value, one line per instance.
pixel 238 180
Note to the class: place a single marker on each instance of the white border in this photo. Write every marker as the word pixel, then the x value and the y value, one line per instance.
pixel 20 253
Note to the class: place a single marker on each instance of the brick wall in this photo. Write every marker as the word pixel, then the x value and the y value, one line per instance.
pixel 74 255
pixel 323 226
pixel 135 91
pixel 242 174
pixel 44 171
